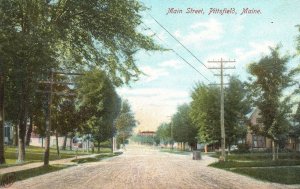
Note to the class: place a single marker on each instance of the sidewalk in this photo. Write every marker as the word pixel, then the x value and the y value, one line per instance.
pixel 67 161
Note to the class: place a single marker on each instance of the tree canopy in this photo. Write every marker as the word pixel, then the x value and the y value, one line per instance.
pixel 205 112
pixel 271 77
pixel 184 130
pixel 100 103
pixel 125 123
pixel 65 35
pixel 163 133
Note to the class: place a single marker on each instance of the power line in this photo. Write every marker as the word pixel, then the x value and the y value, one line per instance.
pixel 189 64
pixel 178 41
pixel 177 54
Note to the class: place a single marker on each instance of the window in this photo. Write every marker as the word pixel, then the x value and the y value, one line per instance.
pixel 7 132
pixel 259 141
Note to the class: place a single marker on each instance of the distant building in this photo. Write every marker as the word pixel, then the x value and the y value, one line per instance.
pixel 146 133
pixel 146 137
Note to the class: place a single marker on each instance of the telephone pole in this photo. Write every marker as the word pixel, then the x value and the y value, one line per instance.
pixel 221 68
pixel 50 93
pixel 48 122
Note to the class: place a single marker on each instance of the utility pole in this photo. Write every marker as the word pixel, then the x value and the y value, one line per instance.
pixel 48 122
pixel 172 139
pixel 48 112
pixel 221 68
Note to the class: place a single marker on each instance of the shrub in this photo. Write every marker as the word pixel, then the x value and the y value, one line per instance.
pixel 242 148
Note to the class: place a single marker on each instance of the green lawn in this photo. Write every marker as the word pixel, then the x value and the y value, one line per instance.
pixel 264 163
pixel 9 178
pixel 259 156
pixel 36 154
pixel 283 175
pixel 96 158
pixel 286 170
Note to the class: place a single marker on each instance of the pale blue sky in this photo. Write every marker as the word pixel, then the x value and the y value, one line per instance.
pixel 245 38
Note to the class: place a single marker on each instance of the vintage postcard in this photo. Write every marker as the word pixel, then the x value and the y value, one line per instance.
pixel 153 94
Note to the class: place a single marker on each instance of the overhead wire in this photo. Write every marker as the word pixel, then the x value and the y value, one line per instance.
pixel 178 41
pixel 175 52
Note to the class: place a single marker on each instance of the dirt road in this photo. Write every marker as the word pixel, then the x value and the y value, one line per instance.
pixel 145 167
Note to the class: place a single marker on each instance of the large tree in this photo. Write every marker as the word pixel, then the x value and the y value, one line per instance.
pixel 125 123
pixel 270 79
pixel 97 97
pixel 205 112
pixel 37 36
pixel 163 133
pixel 184 130
pixel 237 105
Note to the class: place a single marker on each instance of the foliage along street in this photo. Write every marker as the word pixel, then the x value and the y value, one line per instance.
pixel 91 77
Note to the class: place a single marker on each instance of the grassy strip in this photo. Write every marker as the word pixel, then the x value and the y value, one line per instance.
pixel 36 154
pixel 237 164
pixel 9 178
pixel 96 158
pixel 39 156
pixel 259 156
pixel 283 175
pixel 176 151
pixel 12 162
pixel 260 166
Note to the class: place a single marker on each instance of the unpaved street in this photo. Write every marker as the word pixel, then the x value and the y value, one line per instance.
pixel 145 167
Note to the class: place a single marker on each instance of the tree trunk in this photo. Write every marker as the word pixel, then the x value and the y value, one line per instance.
pixel 15 137
pixel 112 145
pixel 21 142
pixel 29 131
pixel 2 158
pixel 23 116
pixel 71 140
pixel 88 145
pixel 296 142
pixel 273 150
pixel 57 146
pixel 22 131
pixel 42 142
pixel 123 140
pixel 98 146
pixel 277 149
pixel 65 142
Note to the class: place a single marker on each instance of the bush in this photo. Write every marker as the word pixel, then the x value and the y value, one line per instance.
pixel 242 148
